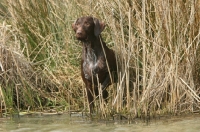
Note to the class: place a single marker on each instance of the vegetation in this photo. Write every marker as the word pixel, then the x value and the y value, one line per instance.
pixel 156 43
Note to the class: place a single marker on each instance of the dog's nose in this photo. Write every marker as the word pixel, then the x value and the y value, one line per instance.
pixel 79 32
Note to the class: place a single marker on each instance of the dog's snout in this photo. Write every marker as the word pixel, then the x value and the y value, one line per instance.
pixel 81 34
pixel 78 32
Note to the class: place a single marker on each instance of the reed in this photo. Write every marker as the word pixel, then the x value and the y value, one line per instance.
pixel 156 45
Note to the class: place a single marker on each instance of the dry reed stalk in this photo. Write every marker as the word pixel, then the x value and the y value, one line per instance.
pixel 3 108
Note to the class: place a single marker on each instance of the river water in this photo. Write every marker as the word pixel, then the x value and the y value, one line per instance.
pixel 66 123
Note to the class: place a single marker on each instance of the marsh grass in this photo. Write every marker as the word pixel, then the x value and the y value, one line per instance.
pixel 156 45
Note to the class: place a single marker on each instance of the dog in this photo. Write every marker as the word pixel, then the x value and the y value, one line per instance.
pixel 98 61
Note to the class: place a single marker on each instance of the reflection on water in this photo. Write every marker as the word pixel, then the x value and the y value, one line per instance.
pixel 64 123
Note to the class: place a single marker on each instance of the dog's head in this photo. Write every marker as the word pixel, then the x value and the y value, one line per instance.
pixel 87 27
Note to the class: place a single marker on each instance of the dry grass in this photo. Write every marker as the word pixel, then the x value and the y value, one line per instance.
pixel 156 43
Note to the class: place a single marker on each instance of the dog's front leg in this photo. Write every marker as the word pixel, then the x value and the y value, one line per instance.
pixel 106 82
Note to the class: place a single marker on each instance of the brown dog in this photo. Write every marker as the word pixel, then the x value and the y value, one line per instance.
pixel 98 61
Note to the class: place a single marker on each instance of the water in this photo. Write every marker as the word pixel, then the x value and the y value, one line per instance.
pixel 65 123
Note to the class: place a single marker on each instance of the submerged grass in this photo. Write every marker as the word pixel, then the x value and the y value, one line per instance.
pixel 156 44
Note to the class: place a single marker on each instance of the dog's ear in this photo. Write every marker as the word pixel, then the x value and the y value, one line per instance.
pixel 99 27
pixel 74 25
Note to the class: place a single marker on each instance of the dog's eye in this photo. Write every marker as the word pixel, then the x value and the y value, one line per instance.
pixel 87 24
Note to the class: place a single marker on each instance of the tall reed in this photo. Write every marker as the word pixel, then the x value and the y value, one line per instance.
pixel 156 45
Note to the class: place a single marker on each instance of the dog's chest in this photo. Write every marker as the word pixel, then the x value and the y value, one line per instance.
pixel 93 65
pixel 90 59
